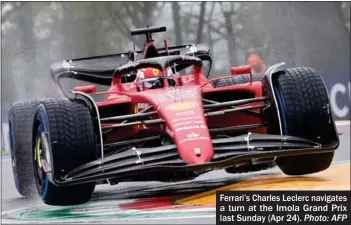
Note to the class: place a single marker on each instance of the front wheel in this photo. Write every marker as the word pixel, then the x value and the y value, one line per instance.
pixel 304 110
pixel 21 116
pixel 72 144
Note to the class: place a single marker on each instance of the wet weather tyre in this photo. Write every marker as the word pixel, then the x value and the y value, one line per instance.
pixel 70 126
pixel 21 116
pixel 304 109
pixel 235 80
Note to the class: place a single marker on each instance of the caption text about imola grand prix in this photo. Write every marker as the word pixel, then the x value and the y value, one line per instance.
pixel 282 207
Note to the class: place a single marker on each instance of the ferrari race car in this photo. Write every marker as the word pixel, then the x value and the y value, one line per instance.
pixel 161 118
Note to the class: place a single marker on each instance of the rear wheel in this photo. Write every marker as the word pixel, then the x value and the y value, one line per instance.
pixel 70 126
pixel 304 110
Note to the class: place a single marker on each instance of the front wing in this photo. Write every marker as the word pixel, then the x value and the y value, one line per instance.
pixel 134 164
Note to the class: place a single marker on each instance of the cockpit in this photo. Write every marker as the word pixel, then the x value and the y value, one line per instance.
pixel 151 78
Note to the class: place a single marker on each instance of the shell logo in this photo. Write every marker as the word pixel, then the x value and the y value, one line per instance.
pixel 181 106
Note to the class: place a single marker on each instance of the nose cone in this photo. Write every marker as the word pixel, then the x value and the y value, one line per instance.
pixel 195 150
pixel 187 126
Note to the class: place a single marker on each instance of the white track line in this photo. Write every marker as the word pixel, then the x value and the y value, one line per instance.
pixel 20 209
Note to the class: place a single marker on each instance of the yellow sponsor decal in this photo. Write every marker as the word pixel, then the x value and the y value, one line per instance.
pixel 136 109
pixel 181 106
pixel 155 72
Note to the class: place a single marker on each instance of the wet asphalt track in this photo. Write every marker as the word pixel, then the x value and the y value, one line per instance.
pixel 107 199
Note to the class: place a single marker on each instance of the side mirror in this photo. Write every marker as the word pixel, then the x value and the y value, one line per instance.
pixel 86 89
pixel 240 70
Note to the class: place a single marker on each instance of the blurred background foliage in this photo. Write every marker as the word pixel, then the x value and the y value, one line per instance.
pixel 35 34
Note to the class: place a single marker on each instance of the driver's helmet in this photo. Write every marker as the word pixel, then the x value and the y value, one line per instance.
pixel 149 73
pixel 150 78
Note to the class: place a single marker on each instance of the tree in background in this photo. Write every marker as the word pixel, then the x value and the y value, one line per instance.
pixel 345 12
pixel 121 17
pixel 237 24
pixel 176 20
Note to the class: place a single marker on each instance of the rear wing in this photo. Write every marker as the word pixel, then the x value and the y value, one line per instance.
pixel 100 69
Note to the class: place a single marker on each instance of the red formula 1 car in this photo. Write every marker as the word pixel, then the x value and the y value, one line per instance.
pixel 162 119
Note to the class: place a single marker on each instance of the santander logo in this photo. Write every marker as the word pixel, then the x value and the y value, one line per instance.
pixel 191 127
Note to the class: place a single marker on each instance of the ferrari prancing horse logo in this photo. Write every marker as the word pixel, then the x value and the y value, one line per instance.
pixel 155 72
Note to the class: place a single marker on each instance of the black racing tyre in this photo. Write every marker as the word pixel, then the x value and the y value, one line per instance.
pixel 235 80
pixel 72 143
pixel 304 110
pixel 21 116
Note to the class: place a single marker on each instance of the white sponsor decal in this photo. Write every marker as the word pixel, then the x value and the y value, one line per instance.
pixel 191 127
pixel 186 80
pixel 185 113
pixel 182 123
pixel 187 57
pixel 178 94
pixel 172 91
pixel 193 139
pixel 128 86
pixel 143 105
pixel 339 110
pixel 128 65
pixel 188 122
pixel 185 118
pixel 192 135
